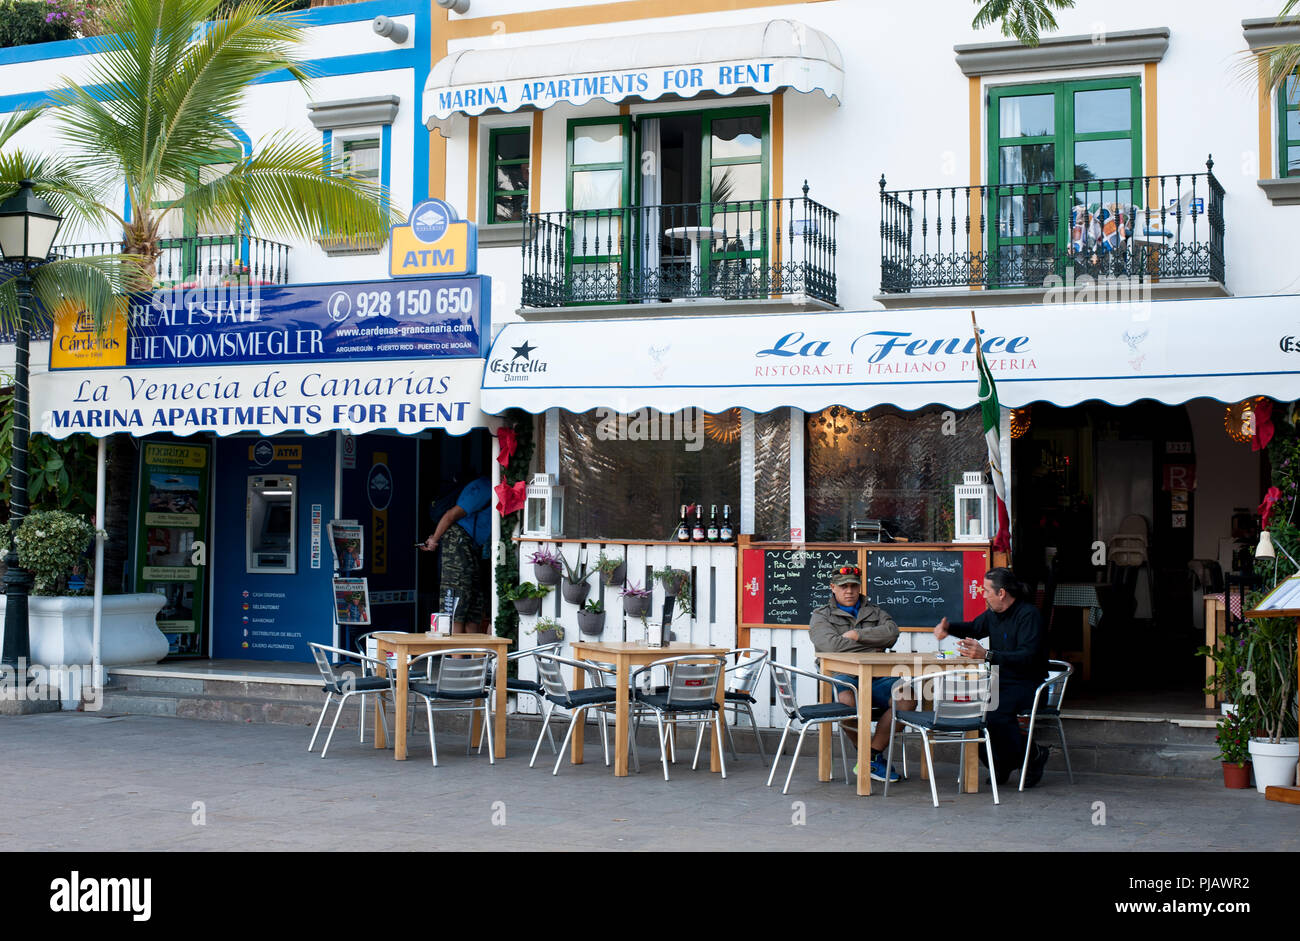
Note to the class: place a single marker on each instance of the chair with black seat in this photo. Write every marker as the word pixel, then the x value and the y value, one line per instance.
pixel 456 680
pixel 523 687
pixel 783 675
pixel 1047 708
pixel 345 685
pixel 691 697
pixel 746 677
pixel 577 701
pixel 961 701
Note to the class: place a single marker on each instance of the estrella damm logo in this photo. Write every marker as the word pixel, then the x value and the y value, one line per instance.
pixel 77 345
pixel 434 242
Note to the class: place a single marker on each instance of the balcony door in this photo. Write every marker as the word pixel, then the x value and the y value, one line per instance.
pixel 1065 169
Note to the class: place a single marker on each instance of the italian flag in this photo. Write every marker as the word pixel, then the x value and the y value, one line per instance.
pixel 988 395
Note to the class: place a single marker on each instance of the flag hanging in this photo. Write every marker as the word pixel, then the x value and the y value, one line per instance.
pixel 992 417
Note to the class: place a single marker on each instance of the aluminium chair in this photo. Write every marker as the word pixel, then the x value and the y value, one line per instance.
pixel 577 701
pixel 961 701
pixel 1047 708
pixel 813 714
pixel 691 697
pixel 746 677
pixel 345 685
pixel 461 683
pixel 523 687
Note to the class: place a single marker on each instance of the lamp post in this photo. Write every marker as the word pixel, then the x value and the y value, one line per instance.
pixel 27 229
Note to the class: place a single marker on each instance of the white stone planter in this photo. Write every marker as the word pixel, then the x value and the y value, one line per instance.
pixel 1274 763
pixel 62 635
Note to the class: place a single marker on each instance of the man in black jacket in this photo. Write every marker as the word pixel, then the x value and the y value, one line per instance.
pixel 1018 649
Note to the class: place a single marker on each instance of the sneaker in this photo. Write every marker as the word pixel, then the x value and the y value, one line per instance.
pixel 1034 773
pixel 878 771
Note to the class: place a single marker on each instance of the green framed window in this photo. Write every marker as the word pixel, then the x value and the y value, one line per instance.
pixel 1064 161
pixel 508 173
pixel 598 192
pixel 181 231
pixel 1288 127
pixel 361 157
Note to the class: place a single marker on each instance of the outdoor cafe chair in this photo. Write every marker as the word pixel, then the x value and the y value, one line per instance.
pixel 458 682
pixel 345 685
pixel 691 697
pixel 577 701
pixel 747 677
pixel 1048 710
pixel 807 716
pixel 961 700
pixel 522 687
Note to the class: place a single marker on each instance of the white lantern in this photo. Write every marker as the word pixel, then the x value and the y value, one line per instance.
pixel 544 508
pixel 972 509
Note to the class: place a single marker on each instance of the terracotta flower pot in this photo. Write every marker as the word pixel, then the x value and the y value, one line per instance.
pixel 575 592
pixel 636 605
pixel 1236 775
pixel 591 622
pixel 528 605
pixel 546 574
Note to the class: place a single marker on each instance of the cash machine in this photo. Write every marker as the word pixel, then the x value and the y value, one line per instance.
pixel 270 518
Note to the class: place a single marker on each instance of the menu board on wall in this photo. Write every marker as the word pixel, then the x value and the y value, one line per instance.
pixel 917 584
pixel 173 518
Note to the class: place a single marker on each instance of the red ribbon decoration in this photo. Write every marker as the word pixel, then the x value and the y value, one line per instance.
pixel 1271 496
pixel 510 497
pixel 1263 425
pixel 507 442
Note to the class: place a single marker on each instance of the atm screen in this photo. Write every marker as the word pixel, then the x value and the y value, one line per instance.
pixel 275 530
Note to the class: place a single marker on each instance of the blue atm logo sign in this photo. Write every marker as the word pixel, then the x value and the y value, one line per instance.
pixel 434 242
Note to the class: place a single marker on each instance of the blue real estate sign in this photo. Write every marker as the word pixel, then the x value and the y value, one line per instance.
pixel 375 320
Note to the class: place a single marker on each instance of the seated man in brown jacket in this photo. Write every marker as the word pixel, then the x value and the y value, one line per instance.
pixel 851 623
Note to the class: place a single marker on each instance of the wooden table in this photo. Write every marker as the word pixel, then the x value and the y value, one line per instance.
pixel 411 645
pixel 867 666
pixel 624 655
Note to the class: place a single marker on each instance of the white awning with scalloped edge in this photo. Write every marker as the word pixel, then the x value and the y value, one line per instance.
pixel 759 57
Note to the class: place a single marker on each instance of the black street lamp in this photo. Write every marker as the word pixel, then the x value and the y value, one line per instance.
pixel 27 229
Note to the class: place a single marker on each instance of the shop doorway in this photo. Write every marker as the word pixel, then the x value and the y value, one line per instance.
pixel 1121 518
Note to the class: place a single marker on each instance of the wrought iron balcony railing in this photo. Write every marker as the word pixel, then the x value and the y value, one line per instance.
pixel 1159 228
pixel 738 250
pixel 204 260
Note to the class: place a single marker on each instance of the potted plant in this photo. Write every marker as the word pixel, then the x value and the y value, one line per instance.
pixel 528 597
pixel 1229 658
pixel 677 584
pixel 612 571
pixel 548 631
pixel 1233 737
pixel 52 545
pixel 546 566
pixel 636 601
pixel 575 587
pixel 591 618
pixel 1271 666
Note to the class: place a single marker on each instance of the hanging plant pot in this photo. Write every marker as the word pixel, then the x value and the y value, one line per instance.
pixel 575 593
pixel 528 605
pixel 1236 775
pixel 546 574
pixel 548 637
pixel 676 583
pixel 618 576
pixel 591 622
pixel 636 606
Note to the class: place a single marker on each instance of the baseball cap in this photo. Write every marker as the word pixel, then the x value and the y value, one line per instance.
pixel 847 575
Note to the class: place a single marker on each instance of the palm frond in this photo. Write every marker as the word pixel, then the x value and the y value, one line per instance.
pixel 1024 20
pixel 96 285
pixel 60 184
pixel 286 188
pixel 17 121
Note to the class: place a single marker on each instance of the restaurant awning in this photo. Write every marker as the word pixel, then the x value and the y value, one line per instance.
pixel 1172 351
pixel 757 57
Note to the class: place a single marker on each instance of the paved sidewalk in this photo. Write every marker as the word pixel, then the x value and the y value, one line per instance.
pixel 78 781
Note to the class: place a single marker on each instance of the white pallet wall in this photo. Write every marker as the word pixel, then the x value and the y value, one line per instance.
pixel 714 621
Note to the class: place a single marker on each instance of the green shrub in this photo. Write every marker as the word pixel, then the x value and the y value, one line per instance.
pixel 23 22
pixel 52 546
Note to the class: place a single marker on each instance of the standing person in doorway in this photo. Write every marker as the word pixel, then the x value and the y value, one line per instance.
pixel 1018 649
pixel 463 532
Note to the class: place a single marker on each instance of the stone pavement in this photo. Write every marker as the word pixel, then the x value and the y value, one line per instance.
pixel 82 781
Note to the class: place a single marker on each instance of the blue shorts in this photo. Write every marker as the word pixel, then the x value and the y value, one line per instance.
pixel 881 688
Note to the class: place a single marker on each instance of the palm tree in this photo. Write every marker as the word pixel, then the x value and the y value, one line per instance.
pixel 1281 61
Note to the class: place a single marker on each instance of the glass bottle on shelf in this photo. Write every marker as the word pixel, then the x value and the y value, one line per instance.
pixel 697 533
pixel 711 534
pixel 683 528
pixel 726 533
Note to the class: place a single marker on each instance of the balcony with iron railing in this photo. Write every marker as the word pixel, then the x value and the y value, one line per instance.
pixel 203 260
pixel 767 252
pixel 1162 231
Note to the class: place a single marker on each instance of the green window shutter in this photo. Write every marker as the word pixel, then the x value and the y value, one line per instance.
pixel 598 194
pixel 509 174
pixel 1288 127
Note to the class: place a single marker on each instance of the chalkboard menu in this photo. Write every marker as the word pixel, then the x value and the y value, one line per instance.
pixel 916 588
pixel 780 585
